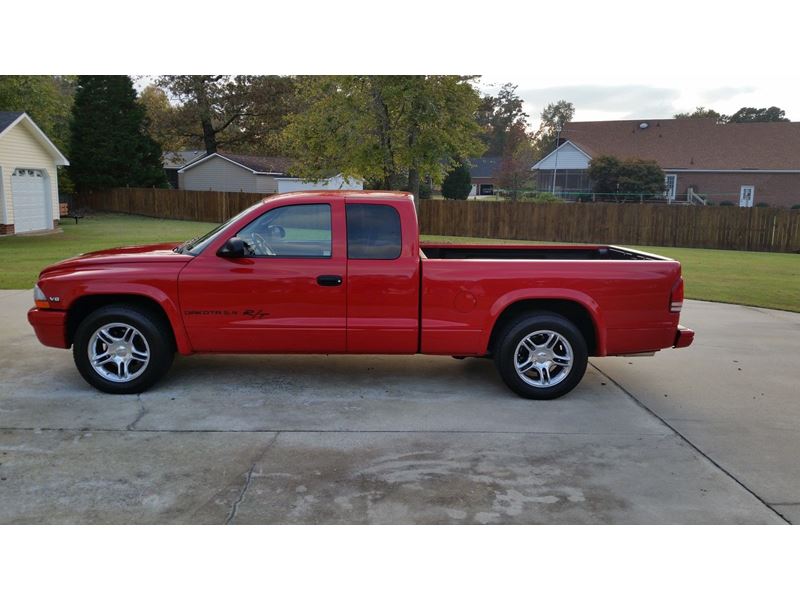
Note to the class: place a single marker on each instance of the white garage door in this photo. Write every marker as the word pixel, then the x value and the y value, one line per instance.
pixel 29 194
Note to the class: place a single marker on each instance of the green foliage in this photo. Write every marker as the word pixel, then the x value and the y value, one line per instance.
pixel 543 198
pixel 458 183
pixel 795 206
pixel 727 203
pixel 110 146
pixel 701 112
pixel 46 98
pixel 514 170
pixel 48 101
pixel 748 114
pixel 610 175
pixel 762 205
pixel 242 113
pixel 554 115
pixel 425 191
pixel 384 127
pixel 498 116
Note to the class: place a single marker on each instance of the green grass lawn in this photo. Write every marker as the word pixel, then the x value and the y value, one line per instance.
pixel 766 279
pixel 770 280
pixel 22 257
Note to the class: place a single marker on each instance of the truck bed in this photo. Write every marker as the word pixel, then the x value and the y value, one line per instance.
pixel 532 252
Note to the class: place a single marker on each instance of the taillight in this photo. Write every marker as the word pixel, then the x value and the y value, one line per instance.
pixel 39 299
pixel 676 297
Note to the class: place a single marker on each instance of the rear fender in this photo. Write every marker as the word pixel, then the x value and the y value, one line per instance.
pixel 520 295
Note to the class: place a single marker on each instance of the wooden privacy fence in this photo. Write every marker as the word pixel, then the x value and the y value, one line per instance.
pixel 185 205
pixel 722 227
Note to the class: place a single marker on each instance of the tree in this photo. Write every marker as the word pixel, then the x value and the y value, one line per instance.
pixel 48 101
pixel 497 115
pixel 516 161
pixel 386 128
pixel 701 112
pixel 634 176
pixel 748 114
pixel 46 98
pixel 554 116
pixel 458 183
pixel 243 113
pixel 161 118
pixel 110 146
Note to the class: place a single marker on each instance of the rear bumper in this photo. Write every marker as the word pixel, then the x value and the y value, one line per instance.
pixel 50 326
pixel 683 337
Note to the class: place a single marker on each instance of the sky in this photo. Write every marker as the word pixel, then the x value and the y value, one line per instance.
pixel 626 99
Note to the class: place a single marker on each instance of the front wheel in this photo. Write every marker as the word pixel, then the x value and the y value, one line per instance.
pixel 122 349
pixel 541 356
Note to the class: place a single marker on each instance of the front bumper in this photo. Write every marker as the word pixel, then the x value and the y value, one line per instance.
pixel 683 337
pixel 50 326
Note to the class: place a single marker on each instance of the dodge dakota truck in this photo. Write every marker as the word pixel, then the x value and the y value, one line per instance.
pixel 345 272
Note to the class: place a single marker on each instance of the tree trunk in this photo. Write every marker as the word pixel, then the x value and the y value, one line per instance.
pixel 209 136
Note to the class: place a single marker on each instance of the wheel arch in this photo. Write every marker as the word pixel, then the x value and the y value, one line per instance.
pixel 84 305
pixel 583 312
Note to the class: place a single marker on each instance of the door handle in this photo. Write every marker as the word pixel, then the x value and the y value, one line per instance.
pixel 329 280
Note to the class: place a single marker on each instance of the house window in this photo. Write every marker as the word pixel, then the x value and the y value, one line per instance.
pixel 746 195
pixel 670 187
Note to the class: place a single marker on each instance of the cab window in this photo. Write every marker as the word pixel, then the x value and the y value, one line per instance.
pixel 373 231
pixel 298 231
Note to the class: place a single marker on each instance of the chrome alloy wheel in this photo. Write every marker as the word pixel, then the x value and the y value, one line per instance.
pixel 118 352
pixel 543 358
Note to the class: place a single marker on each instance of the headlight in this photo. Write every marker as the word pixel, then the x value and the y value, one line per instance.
pixel 39 299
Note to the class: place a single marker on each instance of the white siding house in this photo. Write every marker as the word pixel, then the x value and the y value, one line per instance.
pixel 293 184
pixel 225 172
pixel 567 156
pixel 28 176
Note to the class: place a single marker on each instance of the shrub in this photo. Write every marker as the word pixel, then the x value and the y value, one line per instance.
pixel 762 205
pixel 796 207
pixel 727 203
pixel 458 183
pixel 424 190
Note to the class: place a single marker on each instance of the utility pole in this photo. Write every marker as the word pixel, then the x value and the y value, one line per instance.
pixel 555 166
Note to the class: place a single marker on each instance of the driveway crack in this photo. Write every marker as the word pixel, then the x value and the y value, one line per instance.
pixel 142 412
pixel 248 478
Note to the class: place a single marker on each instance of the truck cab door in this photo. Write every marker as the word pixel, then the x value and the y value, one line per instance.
pixel 382 278
pixel 290 295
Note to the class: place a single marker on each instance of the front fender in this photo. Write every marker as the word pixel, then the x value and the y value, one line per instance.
pixel 156 294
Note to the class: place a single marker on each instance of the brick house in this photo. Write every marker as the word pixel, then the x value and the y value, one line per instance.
pixel 743 163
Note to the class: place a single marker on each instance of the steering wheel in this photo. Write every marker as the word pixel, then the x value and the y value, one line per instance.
pixel 261 245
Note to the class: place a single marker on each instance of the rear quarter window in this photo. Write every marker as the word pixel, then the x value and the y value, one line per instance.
pixel 373 232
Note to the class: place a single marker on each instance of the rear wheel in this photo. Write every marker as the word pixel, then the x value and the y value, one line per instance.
pixel 122 349
pixel 541 356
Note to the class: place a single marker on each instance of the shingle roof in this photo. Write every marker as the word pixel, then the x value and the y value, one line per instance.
pixel 692 143
pixel 483 167
pixel 262 164
pixel 7 118
pixel 180 158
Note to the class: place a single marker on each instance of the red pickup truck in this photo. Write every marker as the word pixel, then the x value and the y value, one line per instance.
pixel 345 272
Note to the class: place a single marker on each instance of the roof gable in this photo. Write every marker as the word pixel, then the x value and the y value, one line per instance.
pixel 258 165
pixel 9 120
pixel 567 156
pixel 692 143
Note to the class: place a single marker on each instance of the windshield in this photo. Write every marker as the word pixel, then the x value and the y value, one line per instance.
pixel 196 245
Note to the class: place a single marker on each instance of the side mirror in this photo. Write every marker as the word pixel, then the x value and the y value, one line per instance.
pixel 235 247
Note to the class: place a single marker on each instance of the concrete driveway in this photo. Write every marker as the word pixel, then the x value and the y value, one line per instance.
pixel 685 437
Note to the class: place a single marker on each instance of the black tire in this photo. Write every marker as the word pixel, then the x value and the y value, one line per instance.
pixel 506 354
pixel 153 328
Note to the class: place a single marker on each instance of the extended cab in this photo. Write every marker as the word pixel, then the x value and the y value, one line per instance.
pixel 345 272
